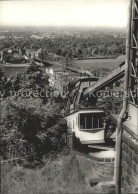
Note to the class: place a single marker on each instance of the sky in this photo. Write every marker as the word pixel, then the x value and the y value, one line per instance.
pixel 87 13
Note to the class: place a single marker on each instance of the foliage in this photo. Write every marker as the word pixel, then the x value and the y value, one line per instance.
pixel 36 123
pixel 29 121
pixel 2 79
pixel 71 85
pixel 33 79
pixel 81 44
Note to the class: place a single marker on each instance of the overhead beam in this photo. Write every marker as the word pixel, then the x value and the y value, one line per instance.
pixel 111 78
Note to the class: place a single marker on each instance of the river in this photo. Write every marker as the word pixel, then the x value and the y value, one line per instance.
pixel 12 69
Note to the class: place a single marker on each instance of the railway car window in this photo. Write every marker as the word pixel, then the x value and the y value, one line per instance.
pixel 82 121
pixel 98 121
pixel 91 121
pixel 95 121
pixel 101 122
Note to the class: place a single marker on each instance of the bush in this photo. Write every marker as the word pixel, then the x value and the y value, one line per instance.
pixel 27 122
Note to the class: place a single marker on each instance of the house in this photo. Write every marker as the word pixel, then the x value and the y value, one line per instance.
pixel 30 53
pixel 49 71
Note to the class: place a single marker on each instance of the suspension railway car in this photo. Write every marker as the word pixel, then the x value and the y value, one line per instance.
pixel 88 125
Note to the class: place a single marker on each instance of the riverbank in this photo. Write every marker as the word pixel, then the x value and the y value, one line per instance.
pixel 11 69
pixel 16 65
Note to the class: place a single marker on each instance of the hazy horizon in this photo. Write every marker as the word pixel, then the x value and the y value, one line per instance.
pixel 64 13
pixel 61 28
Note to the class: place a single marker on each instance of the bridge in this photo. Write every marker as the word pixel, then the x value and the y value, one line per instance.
pixel 46 62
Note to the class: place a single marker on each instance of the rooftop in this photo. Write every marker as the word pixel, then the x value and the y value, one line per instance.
pixel 88 110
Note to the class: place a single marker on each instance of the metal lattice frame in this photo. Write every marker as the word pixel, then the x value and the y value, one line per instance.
pixel 133 77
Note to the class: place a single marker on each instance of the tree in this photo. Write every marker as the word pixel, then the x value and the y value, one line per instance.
pixel 64 52
pixel 31 122
pixel 58 51
pixel 42 127
pixel 2 79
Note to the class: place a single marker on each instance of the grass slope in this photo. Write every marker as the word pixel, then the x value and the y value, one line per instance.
pixel 65 174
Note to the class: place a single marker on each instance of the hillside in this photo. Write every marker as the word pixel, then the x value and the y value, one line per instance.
pixel 65 174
